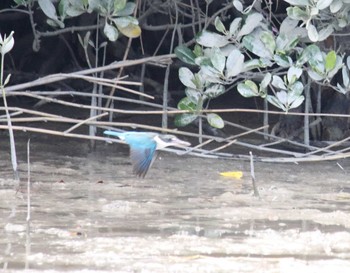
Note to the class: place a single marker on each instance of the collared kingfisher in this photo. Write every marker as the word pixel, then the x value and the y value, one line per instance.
pixel 144 146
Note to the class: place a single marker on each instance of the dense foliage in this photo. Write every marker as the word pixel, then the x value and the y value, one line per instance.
pixel 268 49
pixel 264 56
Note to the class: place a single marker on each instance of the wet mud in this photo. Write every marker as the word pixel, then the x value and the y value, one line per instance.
pixel 89 212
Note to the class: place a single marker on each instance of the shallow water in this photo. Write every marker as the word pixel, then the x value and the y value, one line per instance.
pixel 89 213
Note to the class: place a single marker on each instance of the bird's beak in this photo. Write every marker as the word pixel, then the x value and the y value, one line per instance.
pixel 180 143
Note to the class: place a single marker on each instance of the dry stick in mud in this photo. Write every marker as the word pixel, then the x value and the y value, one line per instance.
pixel 252 174
pixel 28 238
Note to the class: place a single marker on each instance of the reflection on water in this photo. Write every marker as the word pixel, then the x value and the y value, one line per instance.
pixel 90 212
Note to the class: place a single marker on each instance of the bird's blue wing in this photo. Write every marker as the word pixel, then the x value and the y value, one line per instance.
pixel 142 158
pixel 113 133
pixel 142 149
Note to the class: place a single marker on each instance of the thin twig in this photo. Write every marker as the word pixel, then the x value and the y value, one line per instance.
pixel 252 174
pixel 28 181
pixel 28 238
pixel 9 123
pixel 84 122
pixel 59 77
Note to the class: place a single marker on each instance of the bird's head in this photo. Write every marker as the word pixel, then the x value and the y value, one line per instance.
pixel 169 140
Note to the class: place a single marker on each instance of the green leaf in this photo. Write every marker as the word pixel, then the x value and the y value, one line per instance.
pixel 269 41
pixel 7 80
pixel 210 74
pixel 193 94
pixel 252 21
pixel 285 43
pixel 296 89
pixel 122 22
pixel 308 53
pixel 199 81
pixel 214 91
pixel 315 75
pixel 248 89
pixel 203 61
pixel 198 51
pixel 111 32
pixel 323 4
pixel 215 120
pixel 342 22
pixel 297 102
pixel 338 65
pixel 182 120
pixel 186 104
pixel 119 4
pixel 186 77
pixel 274 101
pixel 282 60
pixel 128 10
pixel 312 33
pixel 336 6
pixel 234 63
pixel 74 11
pixel 211 39
pixel 48 8
pixel 288 26
pixel 62 8
pixel 131 30
pixel 103 7
pixel 293 74
pixel 253 43
pixel 266 81
pixel 54 23
pixel 342 89
pixel 265 62
pixel 297 13
pixel 238 5
pixel 317 62
pixel 219 25
pixel 87 40
pixel 331 59
pixel 286 100
pixel 252 64
pixel 324 33
pixel 278 82
pixel 236 23
pixel 21 2
pixel 218 59
pixel 94 5
pixel 72 8
pixel 185 54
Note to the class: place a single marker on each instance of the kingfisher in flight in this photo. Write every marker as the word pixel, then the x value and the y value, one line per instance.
pixel 144 146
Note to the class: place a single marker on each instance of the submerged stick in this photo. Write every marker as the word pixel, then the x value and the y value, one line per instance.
pixel 307 111
pixel 6 43
pixel 252 174
pixel 28 181
pixel 28 246
pixel 12 139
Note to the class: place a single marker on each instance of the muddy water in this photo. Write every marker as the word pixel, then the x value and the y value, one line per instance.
pixel 88 212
